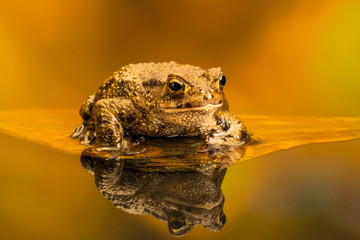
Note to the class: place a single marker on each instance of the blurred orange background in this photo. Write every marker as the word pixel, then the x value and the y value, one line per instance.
pixel 280 58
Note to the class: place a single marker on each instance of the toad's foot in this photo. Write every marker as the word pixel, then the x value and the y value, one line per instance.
pixel 235 138
pixel 225 129
pixel 129 146
pixel 217 143
pixel 86 134
pixel 117 153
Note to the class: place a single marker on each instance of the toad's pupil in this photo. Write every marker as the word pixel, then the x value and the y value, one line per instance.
pixel 222 80
pixel 175 86
pixel 176 225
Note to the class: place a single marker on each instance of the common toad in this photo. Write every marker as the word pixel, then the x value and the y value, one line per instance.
pixel 160 100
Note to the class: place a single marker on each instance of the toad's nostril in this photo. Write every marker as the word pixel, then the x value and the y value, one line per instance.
pixel 205 98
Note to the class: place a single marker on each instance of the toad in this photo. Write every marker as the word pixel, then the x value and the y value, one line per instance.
pixel 159 100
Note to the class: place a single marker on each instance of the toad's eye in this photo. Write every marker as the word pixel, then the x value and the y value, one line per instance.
pixel 178 227
pixel 222 81
pixel 222 219
pixel 176 86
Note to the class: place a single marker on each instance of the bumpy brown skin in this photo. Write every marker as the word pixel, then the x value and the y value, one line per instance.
pixel 137 100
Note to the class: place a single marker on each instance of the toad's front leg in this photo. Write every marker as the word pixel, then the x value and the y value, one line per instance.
pixel 227 129
pixel 108 128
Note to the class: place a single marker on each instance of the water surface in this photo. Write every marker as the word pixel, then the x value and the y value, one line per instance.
pixel 304 192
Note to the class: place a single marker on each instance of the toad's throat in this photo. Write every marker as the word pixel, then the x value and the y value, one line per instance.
pixel 186 109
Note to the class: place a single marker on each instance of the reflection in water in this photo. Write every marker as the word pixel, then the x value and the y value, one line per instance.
pixel 184 199
pixel 175 154
pixel 51 127
pixel 334 178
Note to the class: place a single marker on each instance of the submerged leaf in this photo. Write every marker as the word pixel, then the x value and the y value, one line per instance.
pixel 53 128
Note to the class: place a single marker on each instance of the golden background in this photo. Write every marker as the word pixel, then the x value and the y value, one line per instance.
pixel 280 58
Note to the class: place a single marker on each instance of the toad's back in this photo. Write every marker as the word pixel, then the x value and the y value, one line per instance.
pixel 131 79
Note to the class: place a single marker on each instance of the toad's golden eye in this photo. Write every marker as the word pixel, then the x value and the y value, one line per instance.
pixel 176 86
pixel 222 219
pixel 222 81
pixel 178 227
pixel 176 224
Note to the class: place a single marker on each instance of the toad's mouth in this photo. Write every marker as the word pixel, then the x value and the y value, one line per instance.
pixel 195 108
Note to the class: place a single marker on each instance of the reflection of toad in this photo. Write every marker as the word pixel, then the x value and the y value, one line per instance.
pixel 160 99
pixel 183 199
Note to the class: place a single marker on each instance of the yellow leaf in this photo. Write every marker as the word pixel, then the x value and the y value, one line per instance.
pixel 53 127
